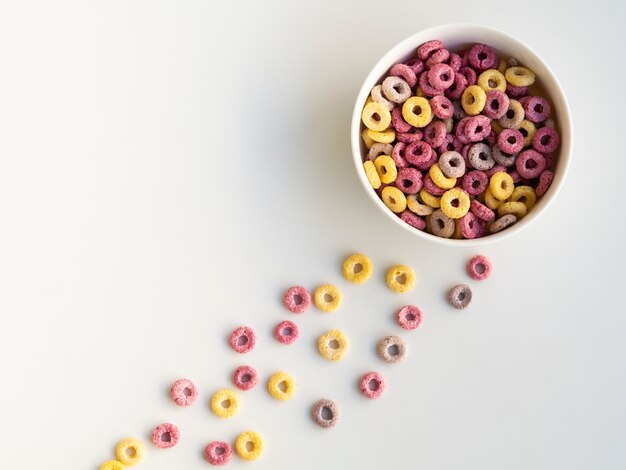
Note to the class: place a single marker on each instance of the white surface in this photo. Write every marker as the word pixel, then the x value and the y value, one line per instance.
pixel 169 168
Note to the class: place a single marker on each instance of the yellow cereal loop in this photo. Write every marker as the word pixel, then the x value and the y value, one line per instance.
pixel 400 278
pixel 281 386
pixel 429 199
pixel 439 178
pixel 130 451
pixel 394 199
pixel 502 65
pixel 496 127
pixel 357 268
pixel 491 80
pixel 366 139
pixel 473 100
pixel 416 111
pixel 327 298
pixel 490 201
pixel 372 174
pixel 417 207
pixel 376 117
pixel 525 195
pixel 249 445
pixel 519 76
pixel 530 129
pixel 112 465
pixel 225 403
pixel 501 185
pixel 518 209
pixel 386 168
pixel 455 203
pixel 333 345
pixel 384 137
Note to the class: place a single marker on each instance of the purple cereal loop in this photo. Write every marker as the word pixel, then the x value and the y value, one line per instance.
pixel 245 378
pixel 409 317
pixel 495 169
pixel 243 339
pixel 477 128
pixel 416 65
pixel 475 182
pixel 455 61
pixel 409 180
pixel 325 413
pixel 545 180
pixel 183 392
pixel 516 176
pixel 502 158
pixel 424 50
pixel 214 457
pixel 405 72
pixel 286 332
pixel 546 140
pixel 516 91
pixel 413 220
pixel 435 133
pixel 441 76
pixel 441 107
pixel 426 87
pixel 450 144
pixel 469 74
pixel 398 122
pixel 297 299
pixel 503 222
pixel 460 296
pixel 165 435
pixel 455 91
pixel 372 385
pixel 482 57
pixel 496 104
pixel 437 57
pixel 482 211
pixel 530 164
pixel 479 267
pixel 420 154
pixel 536 108
pixel 510 141
pixel 460 131
pixel 398 155
pixel 431 187
pixel 471 226
pixel 414 135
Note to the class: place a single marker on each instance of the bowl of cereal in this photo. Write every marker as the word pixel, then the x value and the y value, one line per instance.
pixel 461 134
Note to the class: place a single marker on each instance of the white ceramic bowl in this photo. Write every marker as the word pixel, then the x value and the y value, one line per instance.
pixel 455 37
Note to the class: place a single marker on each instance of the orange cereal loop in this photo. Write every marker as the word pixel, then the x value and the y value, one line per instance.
pixel 376 117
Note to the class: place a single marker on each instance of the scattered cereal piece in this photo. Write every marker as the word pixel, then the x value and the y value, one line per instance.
pixel 372 385
pixel 243 339
pixel 409 317
pixel 225 403
pixel 392 349
pixel 165 435
pixel 218 453
pixel 325 413
pixel 249 445
pixel 357 268
pixel 281 386
pixel 245 377
pixel 297 299
pixel 183 392
pixel 479 267
pixel 130 451
pixel 333 345
pixel 460 296
pixel 400 278
pixel 327 298
pixel 286 332
pixel 112 465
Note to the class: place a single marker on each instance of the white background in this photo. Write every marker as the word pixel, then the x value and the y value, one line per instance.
pixel 169 168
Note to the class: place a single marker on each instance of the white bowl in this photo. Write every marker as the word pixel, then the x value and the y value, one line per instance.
pixel 455 37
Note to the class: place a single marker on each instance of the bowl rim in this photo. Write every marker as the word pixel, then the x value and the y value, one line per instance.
pixel 411 42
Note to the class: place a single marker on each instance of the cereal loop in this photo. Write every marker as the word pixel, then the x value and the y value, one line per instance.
pixel 400 278
pixel 513 117
pixel 429 199
pixel 409 317
pixel 325 413
pixel 376 117
pixel 366 139
pixel 502 223
pixel 297 299
pixel 518 209
pixel 392 349
pixel 440 179
pixel 165 435
pixel 501 185
pixel 130 451
pixel 281 386
pixel 491 80
pixel 385 137
pixel 473 100
pixel 452 164
pixel 455 203
pixel 183 392
pixel 333 345
pixel 357 268
pixel 441 225
pixel 372 385
pixel 479 267
pixel 218 453
pixel 396 89
pixel 394 199
pixel 243 339
pixel 372 174
pixel 528 130
pixel 416 111
pixel 225 403
pixel 245 377
pixel 524 194
pixel 519 76
pixel 377 96
pixel 249 445
pixel 327 298
pixel 112 465
pixel 286 332
pixel 460 296
pixel 491 202
pixel 417 207
pixel 386 168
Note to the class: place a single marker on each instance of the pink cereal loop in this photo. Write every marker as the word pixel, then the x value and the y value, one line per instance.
pixel 530 164
pixel 413 220
pixel 442 107
pixel 427 48
pixel 426 87
pixel 482 57
pixel 471 226
pixel 243 339
pixel 405 72
pixel 479 267
pixel 214 457
pixel 546 140
pixel 482 211
pixel 183 392
pixel 438 57
pixel 398 122
pixel 165 435
pixel 398 155
pixel 372 385
pixel 545 180
pixel 297 299
pixel 414 135
pixel 245 377
pixel 286 332
pixel 409 317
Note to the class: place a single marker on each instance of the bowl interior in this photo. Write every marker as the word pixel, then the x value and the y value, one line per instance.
pixel 455 37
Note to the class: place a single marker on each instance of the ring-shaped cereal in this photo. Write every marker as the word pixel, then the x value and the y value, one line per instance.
pixel 524 194
pixel 286 332
pixel 417 207
pixel 385 137
pixel 473 100
pixel 394 199
pixel 455 203
pixel 416 111
pixel 429 199
pixel 372 174
pixel 281 386
pixel 327 298
pixel 243 339
pixel 245 377
pixel 409 317
pixel 452 165
pixel 325 413
pixel 297 299
pixel 460 296
pixel 333 345
pixel 440 179
pixel 386 168
pixel 396 89
pixel 519 76
pixel 479 267
pixel 218 453
pixel 392 349
pixel 501 185
pixel 357 268
pixel 518 209
pixel 183 392
pixel 165 435
pixel 514 115
pixel 112 465
pixel 379 149
pixel 372 385
pixel 376 117
pixel 225 403
pixel 528 130
pixel 490 201
pixel 491 80
pixel 400 278
pixel 366 139
pixel 130 451
pixel 441 225
pixel 252 440
pixel 377 95
pixel 503 222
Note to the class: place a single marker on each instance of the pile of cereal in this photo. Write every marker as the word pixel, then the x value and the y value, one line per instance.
pixel 458 144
